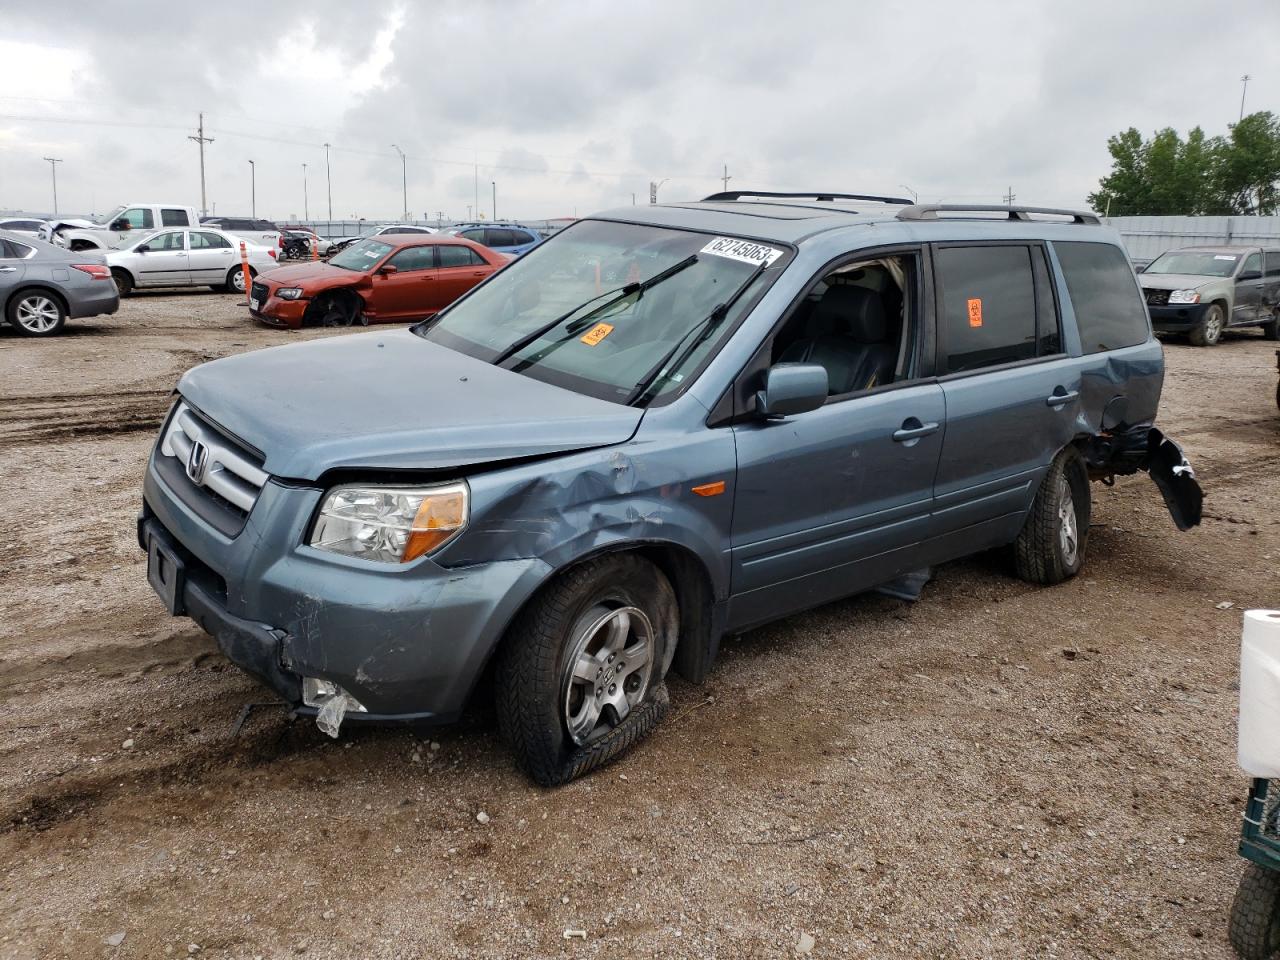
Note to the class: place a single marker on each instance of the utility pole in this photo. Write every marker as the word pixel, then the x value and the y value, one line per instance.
pixel 201 139
pixel 1244 81
pixel 726 178
pixel 53 165
pixel 253 190
pixel 468 212
pixel 1009 197
pixel 439 218
pixel 494 211
pixel 654 187
pixel 404 182
pixel 477 186
pixel 306 212
pixel 328 177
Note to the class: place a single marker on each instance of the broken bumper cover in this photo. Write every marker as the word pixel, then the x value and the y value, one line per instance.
pixel 1178 318
pixel 409 644
pixel 1127 450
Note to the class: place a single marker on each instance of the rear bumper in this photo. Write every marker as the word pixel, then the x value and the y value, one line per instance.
pixel 93 301
pixel 1177 318
pixel 408 643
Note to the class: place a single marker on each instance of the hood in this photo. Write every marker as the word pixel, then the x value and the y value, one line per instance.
pixel 1177 281
pixel 313 273
pixel 75 225
pixel 393 401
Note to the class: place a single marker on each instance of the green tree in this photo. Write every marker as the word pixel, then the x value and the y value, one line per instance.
pixel 1169 176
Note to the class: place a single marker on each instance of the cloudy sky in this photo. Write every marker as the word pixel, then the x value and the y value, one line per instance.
pixel 575 106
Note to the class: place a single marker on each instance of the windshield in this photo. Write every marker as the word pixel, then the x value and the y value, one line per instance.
pixel 1198 264
pixel 110 217
pixel 604 307
pixel 361 255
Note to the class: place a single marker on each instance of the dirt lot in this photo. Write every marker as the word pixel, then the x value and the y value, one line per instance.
pixel 994 771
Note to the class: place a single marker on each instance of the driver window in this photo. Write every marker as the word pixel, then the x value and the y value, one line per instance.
pixel 138 218
pixel 858 322
pixel 1252 264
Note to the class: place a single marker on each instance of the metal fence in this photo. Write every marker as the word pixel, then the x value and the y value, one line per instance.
pixel 1147 237
pixel 353 228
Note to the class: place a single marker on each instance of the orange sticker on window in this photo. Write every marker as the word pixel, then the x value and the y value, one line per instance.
pixel 975 312
pixel 597 333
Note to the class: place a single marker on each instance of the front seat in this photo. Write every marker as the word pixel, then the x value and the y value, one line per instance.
pixel 848 334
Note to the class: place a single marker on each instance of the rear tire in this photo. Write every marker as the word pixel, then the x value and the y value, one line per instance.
pixel 581 676
pixel 123 281
pixel 1051 546
pixel 36 313
pixel 1209 330
pixel 235 280
pixel 1271 329
pixel 1254 928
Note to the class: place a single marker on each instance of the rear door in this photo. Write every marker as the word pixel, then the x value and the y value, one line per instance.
pixel 1012 394
pixel 1271 284
pixel 211 256
pixel 165 263
pixel 1248 304
pixel 410 291
pixel 461 268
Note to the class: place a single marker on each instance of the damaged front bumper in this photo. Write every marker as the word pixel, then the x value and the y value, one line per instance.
pixel 1128 449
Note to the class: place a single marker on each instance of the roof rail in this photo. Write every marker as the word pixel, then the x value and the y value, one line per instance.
pixel 739 194
pixel 930 211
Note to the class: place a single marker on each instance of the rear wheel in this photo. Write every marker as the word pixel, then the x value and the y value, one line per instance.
pixel 1271 329
pixel 1051 546
pixel 124 282
pixel 1255 915
pixel 36 313
pixel 1209 330
pixel 235 279
pixel 581 678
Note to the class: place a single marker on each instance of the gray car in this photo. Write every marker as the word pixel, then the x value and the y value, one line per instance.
pixel 664 425
pixel 42 285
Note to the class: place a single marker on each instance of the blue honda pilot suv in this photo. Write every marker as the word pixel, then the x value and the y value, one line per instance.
pixel 663 425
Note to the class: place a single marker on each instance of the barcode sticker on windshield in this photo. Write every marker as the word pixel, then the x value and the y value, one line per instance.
pixel 748 251
pixel 1224 257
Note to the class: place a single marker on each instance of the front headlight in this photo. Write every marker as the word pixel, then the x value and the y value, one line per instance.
pixel 289 293
pixel 1184 296
pixel 390 524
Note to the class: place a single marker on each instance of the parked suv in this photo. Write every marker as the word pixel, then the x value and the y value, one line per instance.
pixel 262 233
pixel 1201 291
pixel 510 238
pixel 570 486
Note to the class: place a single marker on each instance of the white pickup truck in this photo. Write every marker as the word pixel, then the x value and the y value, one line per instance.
pixel 118 228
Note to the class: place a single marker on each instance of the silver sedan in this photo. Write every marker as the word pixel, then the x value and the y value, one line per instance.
pixel 187 258
pixel 42 285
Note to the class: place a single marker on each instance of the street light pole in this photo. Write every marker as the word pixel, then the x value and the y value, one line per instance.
pixel 915 197
pixel 306 213
pixel 253 190
pixel 328 176
pixel 53 165
pixel 1243 90
pixel 494 211
pixel 404 182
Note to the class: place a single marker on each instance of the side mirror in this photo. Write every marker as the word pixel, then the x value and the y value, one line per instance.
pixel 387 270
pixel 121 225
pixel 791 388
pixel 1249 275
pixel 143 249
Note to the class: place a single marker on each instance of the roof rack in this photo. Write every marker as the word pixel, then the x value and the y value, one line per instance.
pixel 829 197
pixel 930 211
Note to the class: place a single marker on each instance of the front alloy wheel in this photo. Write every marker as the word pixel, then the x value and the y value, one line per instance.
pixel 608 672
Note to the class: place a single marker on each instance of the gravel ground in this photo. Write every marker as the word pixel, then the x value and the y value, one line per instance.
pixel 994 771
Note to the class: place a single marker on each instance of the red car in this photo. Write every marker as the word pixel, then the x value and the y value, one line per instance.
pixel 378 280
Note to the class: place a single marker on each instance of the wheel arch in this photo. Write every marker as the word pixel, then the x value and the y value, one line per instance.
pixel 38 285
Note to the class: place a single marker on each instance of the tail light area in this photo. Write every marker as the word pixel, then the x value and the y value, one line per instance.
pixel 96 270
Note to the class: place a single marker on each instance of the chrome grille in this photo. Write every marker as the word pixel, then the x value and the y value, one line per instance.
pixel 258 292
pixel 220 467
pixel 1156 298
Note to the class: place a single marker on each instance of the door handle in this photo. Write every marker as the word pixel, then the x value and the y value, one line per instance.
pixel 8 269
pixel 1060 397
pixel 913 429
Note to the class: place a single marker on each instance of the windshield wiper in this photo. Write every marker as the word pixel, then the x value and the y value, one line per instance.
pixel 704 328
pixel 617 296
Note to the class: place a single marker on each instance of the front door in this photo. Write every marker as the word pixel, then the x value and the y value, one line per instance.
pixel 1248 290
pixel 837 500
pixel 1012 394
pixel 211 257
pixel 410 292
pixel 165 262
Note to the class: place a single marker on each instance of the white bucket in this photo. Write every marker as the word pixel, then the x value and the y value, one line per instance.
pixel 1259 747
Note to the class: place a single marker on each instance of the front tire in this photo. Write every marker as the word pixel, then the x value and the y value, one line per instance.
pixel 36 313
pixel 582 674
pixel 1209 330
pixel 1255 915
pixel 1051 546
pixel 123 281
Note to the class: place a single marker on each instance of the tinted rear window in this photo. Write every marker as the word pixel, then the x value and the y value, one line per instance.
pixel 1109 310
pixel 988 305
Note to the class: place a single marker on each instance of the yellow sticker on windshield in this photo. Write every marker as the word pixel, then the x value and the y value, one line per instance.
pixel 597 333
